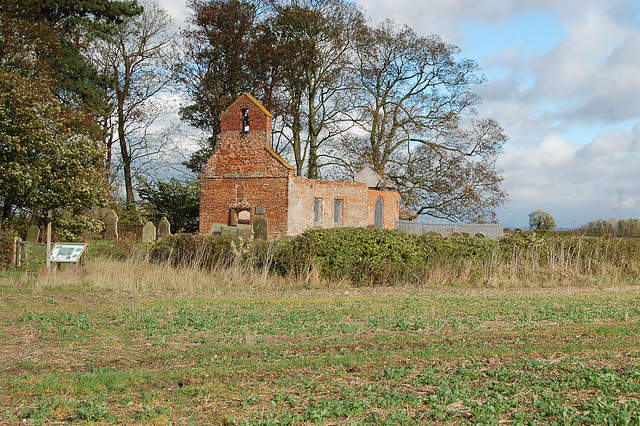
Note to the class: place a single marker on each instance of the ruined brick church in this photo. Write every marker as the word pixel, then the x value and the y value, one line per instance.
pixel 245 178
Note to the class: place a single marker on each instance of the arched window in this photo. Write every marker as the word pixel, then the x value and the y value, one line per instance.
pixel 317 212
pixel 379 213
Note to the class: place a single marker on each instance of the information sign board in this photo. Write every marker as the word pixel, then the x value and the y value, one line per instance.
pixel 67 252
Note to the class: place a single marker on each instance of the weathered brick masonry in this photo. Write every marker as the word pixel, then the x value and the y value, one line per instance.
pixel 245 174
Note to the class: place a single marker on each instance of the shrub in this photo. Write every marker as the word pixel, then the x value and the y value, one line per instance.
pixel 365 256
pixel 7 248
pixel 193 250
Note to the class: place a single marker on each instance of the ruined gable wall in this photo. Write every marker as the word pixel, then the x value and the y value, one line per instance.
pixel 245 170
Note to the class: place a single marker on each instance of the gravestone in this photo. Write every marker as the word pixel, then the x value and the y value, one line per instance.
pixel 261 228
pixel 229 230
pixel 480 235
pixel 33 234
pixel 149 233
pixel 244 231
pixel 102 212
pixel 465 234
pixel 457 234
pixel 111 225
pixel 164 228
pixel 216 229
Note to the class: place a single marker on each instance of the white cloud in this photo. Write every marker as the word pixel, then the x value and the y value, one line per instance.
pixel 574 182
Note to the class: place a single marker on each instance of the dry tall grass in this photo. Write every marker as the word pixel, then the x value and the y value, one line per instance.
pixel 139 277
pixel 539 263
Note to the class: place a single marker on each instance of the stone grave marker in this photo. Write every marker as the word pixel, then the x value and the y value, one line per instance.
pixel 149 233
pixel 480 235
pixel 216 229
pixel 457 234
pixel 229 230
pixel 111 225
pixel 261 228
pixel 164 228
pixel 33 234
pixel 244 231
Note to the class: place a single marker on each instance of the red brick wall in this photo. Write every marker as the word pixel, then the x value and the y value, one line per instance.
pixel 218 195
pixel 391 213
pixel 245 170
pixel 358 204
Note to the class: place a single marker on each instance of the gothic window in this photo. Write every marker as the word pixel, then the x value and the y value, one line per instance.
pixel 337 213
pixel 317 212
pixel 379 212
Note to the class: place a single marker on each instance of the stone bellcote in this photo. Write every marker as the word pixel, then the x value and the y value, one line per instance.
pixel 246 115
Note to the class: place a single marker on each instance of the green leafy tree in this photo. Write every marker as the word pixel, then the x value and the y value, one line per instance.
pixel 541 220
pixel 50 100
pixel 49 157
pixel 178 202
pixel 60 29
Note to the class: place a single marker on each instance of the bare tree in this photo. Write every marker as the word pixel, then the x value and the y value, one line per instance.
pixel 410 96
pixel 138 57
pixel 226 54
pixel 316 37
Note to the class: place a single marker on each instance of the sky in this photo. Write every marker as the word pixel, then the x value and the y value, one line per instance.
pixel 563 80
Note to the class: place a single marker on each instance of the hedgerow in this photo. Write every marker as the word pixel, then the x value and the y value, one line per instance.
pixel 374 257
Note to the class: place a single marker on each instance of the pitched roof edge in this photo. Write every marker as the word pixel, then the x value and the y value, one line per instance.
pixel 258 104
pixel 280 159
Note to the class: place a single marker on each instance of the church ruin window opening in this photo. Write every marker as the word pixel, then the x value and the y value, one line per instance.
pixel 379 212
pixel 245 120
pixel 317 212
pixel 337 212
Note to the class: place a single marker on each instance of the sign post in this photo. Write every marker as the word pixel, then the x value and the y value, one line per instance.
pixel 67 252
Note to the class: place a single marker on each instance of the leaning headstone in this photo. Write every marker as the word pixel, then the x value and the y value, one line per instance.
pixel 456 234
pixel 244 231
pixel 216 229
pixel 261 228
pixel 111 225
pixel 229 230
pixel 33 234
pixel 480 235
pixel 164 228
pixel 149 233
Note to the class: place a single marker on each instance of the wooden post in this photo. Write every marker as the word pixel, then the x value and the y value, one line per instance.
pixel 15 259
pixel 49 217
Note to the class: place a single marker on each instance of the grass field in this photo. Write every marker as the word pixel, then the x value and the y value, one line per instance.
pixel 115 342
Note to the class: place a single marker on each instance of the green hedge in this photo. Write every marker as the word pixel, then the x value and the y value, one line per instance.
pixel 373 257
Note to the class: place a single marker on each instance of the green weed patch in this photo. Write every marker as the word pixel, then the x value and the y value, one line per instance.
pixel 322 357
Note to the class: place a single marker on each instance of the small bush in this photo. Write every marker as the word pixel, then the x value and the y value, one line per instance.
pixel 193 250
pixel 7 248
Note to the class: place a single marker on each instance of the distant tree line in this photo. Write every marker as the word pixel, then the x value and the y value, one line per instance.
pixel 614 227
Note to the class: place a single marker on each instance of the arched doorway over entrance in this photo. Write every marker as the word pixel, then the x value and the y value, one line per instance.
pixel 241 215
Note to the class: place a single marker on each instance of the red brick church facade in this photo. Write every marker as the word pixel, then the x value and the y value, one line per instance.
pixel 245 178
